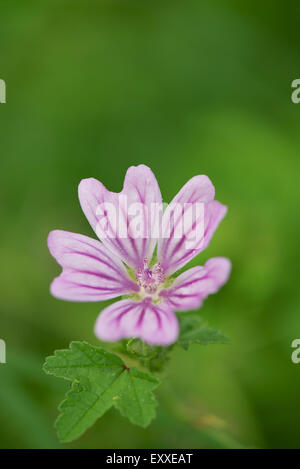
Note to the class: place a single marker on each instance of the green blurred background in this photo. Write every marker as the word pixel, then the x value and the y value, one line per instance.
pixel 187 88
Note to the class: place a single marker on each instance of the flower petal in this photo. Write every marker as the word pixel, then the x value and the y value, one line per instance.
pixel 190 288
pixel 90 271
pixel 155 324
pixel 123 221
pixel 189 223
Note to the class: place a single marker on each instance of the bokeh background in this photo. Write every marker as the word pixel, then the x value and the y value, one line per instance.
pixel 193 87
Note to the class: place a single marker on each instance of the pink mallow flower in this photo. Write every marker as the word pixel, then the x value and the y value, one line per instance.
pixel 119 266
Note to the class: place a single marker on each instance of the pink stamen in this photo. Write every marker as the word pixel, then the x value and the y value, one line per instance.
pixel 150 279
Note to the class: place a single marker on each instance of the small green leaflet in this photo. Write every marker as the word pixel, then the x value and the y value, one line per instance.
pixel 100 380
pixel 193 330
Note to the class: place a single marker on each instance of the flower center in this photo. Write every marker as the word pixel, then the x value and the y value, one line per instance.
pixel 150 279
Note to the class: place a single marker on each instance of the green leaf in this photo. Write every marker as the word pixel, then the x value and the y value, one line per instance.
pixel 152 357
pixel 193 330
pixel 100 380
